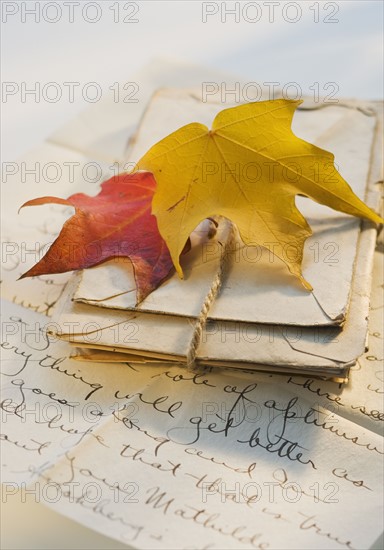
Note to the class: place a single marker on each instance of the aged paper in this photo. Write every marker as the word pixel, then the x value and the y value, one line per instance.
pixel 29 241
pixel 259 287
pixel 76 158
pixel 322 351
pixel 25 236
pixel 110 445
pixel 160 458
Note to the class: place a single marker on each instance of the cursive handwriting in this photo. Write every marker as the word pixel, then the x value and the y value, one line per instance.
pixel 155 403
pixel 374 413
pixel 201 517
pixel 308 523
pixel 133 425
pixel 137 455
pixel 275 441
pixel 200 454
pixel 36 446
pixel 310 418
pixel 310 384
pixel 270 438
pixel 342 473
pixel 55 423
pixel 198 379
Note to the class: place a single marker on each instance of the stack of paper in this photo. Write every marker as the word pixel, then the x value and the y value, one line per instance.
pixel 262 319
pixel 158 457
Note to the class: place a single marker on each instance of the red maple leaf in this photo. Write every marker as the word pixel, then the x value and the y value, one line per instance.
pixel 115 223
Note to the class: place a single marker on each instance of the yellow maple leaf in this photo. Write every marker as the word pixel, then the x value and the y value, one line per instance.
pixel 248 168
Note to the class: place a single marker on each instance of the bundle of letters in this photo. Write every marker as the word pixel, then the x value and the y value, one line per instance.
pixel 262 318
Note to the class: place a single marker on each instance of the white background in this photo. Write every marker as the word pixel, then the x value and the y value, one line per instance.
pixel 347 53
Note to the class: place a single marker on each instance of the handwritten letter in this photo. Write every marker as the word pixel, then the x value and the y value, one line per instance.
pixel 158 457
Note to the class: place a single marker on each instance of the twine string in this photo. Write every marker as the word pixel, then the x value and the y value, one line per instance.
pixel 210 298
